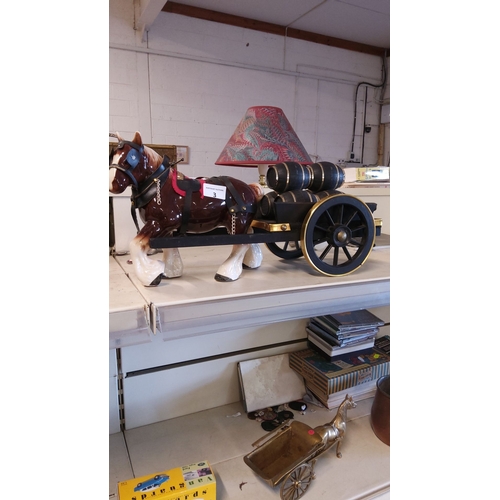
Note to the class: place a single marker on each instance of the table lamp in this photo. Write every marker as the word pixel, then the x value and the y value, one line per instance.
pixel 263 137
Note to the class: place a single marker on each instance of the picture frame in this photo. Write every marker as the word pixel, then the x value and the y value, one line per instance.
pixel 183 152
pixel 169 150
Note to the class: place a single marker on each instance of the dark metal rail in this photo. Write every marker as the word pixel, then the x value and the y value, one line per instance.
pixel 219 236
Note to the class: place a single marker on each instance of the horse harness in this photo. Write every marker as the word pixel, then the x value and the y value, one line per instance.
pixel 145 191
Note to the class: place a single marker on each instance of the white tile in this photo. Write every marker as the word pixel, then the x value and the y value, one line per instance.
pixel 223 437
pixel 236 480
pixel 120 468
pixel 214 435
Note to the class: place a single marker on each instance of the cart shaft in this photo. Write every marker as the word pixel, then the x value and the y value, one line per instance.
pixel 220 237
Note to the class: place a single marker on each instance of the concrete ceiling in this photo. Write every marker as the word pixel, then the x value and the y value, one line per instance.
pixel 364 22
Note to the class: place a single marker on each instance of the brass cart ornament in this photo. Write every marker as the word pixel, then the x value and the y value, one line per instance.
pixel 288 455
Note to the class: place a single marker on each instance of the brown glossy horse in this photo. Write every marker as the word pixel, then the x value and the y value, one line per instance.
pixel 170 202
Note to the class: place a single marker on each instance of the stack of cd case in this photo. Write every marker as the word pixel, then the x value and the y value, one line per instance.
pixel 336 334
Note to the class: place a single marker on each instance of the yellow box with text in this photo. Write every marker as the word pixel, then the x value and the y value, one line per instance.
pixel 189 482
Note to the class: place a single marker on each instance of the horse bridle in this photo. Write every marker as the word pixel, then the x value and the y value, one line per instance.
pixel 132 159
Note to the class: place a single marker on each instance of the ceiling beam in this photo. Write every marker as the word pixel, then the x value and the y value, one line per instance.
pixel 275 29
pixel 146 11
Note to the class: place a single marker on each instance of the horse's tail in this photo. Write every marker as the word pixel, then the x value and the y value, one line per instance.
pixel 258 191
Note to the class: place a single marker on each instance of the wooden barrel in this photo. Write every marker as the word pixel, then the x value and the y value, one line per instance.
pixel 288 176
pixel 326 175
pixel 267 204
pixel 303 195
pixel 327 192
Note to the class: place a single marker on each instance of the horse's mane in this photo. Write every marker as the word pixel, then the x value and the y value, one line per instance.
pixel 153 157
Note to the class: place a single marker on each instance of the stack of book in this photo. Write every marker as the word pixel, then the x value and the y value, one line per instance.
pixel 383 345
pixel 340 333
pixel 355 373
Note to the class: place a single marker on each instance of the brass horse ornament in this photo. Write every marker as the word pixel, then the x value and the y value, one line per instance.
pixel 288 455
pixel 333 433
pixel 168 202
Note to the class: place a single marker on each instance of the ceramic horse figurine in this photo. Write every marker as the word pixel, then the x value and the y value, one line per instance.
pixel 168 201
pixel 333 433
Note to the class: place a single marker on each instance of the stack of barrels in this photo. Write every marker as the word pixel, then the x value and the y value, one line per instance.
pixel 293 182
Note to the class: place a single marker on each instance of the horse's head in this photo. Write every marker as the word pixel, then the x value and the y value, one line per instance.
pixel 129 163
pixel 349 402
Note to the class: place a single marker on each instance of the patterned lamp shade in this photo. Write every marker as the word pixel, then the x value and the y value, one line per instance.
pixel 263 137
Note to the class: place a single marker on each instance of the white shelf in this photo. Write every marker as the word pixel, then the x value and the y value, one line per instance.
pixel 129 312
pixel 369 188
pixel 279 290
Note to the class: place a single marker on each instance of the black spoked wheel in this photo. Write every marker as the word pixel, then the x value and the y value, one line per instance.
pixel 297 482
pixel 338 235
pixel 286 249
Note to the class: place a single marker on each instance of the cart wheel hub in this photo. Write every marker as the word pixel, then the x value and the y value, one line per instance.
pixel 340 236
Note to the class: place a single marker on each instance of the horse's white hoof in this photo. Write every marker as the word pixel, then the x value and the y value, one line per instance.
pixel 170 277
pixel 245 266
pixel 222 279
pixel 156 281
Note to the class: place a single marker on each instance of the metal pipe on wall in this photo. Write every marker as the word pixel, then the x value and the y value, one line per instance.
pixel 381 142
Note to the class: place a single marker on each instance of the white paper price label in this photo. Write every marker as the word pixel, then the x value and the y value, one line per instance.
pixel 214 191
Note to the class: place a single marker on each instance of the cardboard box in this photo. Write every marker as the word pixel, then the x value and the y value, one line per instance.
pixel 190 482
